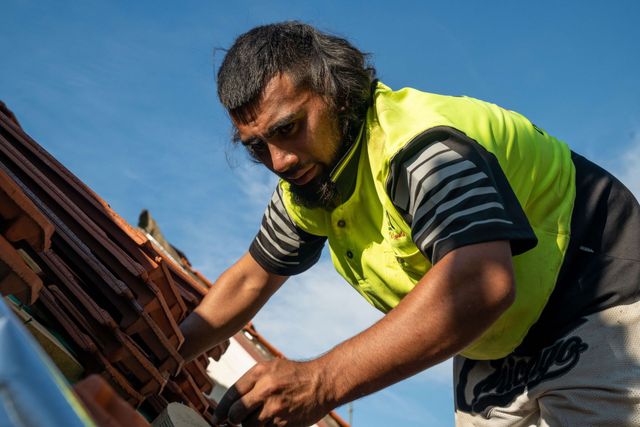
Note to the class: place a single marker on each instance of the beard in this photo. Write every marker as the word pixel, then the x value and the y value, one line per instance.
pixel 321 192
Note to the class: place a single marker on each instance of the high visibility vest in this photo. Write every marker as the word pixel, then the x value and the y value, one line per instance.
pixel 370 242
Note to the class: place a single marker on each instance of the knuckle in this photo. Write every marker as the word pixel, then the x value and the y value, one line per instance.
pixel 260 368
pixel 274 408
pixel 267 385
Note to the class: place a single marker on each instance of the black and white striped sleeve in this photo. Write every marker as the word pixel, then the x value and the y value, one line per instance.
pixel 281 247
pixel 453 193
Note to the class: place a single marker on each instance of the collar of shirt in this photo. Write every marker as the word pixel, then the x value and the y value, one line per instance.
pixel 345 172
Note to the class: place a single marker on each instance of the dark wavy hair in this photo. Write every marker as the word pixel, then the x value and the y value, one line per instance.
pixel 325 64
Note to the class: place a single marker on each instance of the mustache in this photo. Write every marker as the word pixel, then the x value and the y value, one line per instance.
pixel 292 172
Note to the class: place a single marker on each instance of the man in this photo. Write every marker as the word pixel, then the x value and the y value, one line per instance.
pixel 478 234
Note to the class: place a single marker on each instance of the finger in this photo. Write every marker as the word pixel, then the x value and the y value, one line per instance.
pixel 222 410
pixel 252 420
pixel 235 393
pixel 243 411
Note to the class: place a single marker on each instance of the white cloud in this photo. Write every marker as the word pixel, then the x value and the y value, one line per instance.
pixel 313 312
pixel 257 183
pixel 441 373
pixel 397 405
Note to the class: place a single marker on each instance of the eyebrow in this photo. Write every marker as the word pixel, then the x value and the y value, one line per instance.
pixel 284 121
pixel 273 129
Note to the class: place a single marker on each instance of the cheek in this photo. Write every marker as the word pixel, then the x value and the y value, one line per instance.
pixel 331 146
pixel 326 141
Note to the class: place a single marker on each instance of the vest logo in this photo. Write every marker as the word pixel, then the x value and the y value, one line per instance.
pixel 513 375
pixel 396 235
pixel 394 232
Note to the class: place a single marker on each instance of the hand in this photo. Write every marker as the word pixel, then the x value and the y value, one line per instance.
pixel 276 393
pixel 217 351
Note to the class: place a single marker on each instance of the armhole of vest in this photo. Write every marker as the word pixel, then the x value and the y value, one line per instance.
pixel 418 142
pixel 286 202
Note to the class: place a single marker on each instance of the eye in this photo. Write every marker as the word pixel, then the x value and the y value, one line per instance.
pixel 287 129
pixel 255 146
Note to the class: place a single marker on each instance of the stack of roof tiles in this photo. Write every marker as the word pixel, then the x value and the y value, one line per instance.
pixel 113 295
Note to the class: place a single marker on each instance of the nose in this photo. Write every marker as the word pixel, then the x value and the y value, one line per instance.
pixel 281 160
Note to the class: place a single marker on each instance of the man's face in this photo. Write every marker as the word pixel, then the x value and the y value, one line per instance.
pixel 295 134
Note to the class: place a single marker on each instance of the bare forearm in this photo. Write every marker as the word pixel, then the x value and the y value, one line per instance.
pixel 450 307
pixel 234 299
pixel 436 320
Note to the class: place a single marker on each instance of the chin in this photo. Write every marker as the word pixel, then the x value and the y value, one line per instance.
pixel 321 192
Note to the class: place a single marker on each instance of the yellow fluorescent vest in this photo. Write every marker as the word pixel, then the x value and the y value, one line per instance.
pixel 371 245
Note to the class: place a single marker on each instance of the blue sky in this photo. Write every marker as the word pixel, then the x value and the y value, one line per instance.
pixel 123 93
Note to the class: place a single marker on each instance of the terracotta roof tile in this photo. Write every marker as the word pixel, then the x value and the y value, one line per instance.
pixel 106 407
pixel 114 293
pixel 15 275
pixel 23 221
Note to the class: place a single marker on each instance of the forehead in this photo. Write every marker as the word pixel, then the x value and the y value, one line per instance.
pixel 281 87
